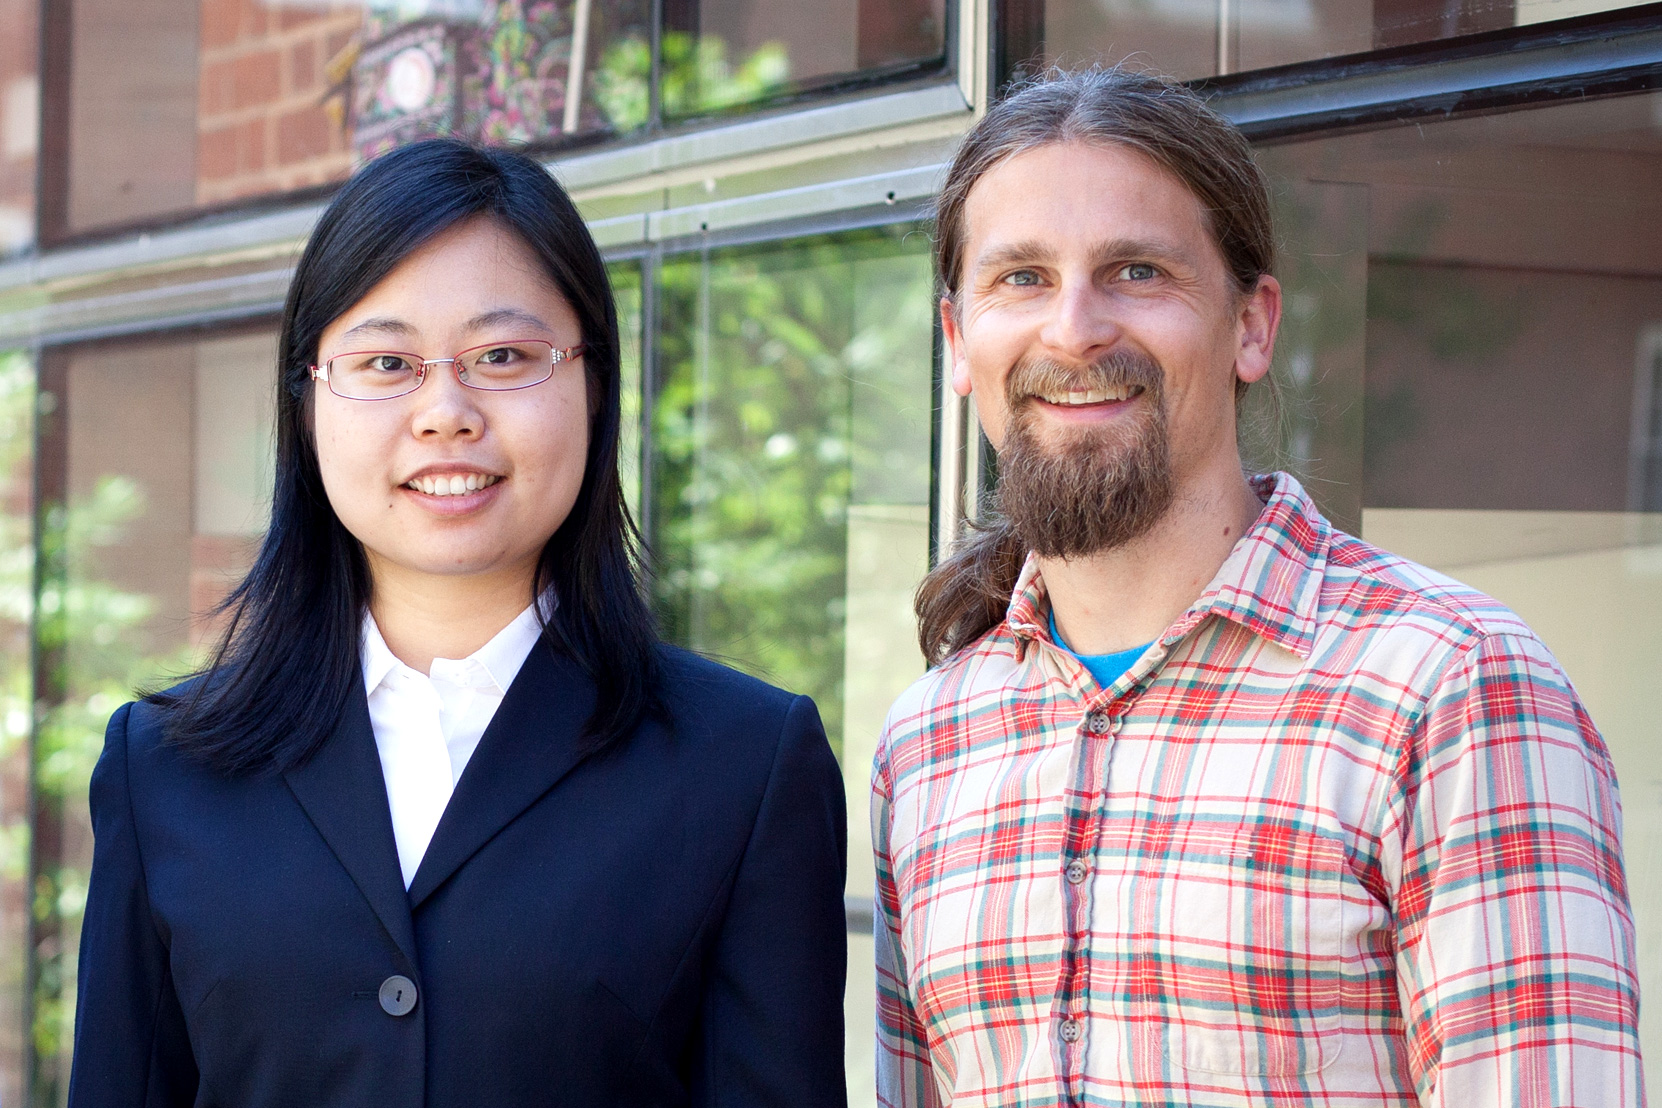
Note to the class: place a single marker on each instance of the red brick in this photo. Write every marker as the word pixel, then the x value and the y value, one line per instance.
pixel 302 135
pixel 251 146
pixel 337 42
pixel 303 71
pixel 216 91
pixel 255 21
pixel 219 22
pixel 289 18
pixel 258 78
pixel 216 154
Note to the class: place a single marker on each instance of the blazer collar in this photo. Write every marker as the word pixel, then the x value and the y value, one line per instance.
pixel 342 792
pixel 532 742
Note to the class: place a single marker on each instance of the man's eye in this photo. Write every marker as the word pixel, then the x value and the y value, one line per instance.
pixel 1022 277
pixel 1138 271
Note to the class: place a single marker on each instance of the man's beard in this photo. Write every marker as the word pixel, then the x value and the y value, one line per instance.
pixel 1096 488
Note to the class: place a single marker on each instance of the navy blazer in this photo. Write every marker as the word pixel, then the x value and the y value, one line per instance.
pixel 661 925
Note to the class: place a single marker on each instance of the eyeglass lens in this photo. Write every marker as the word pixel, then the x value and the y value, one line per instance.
pixel 383 374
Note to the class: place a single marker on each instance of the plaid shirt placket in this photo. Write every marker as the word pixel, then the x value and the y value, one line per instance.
pixel 1426 758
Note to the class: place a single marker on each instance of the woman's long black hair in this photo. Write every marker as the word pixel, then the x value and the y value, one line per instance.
pixel 289 661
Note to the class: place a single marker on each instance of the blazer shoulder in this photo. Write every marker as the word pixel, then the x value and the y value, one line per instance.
pixel 692 681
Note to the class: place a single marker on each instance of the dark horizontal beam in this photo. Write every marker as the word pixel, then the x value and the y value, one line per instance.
pixel 1606 54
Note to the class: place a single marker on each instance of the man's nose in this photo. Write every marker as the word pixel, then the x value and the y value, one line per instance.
pixel 1081 322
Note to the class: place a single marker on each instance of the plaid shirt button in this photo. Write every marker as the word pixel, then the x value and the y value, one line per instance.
pixel 1075 871
pixel 1070 1031
pixel 1098 723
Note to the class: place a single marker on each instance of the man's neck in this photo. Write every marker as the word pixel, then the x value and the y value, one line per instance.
pixel 1128 596
pixel 427 616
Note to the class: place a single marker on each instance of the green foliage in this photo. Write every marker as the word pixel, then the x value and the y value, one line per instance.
pixel 697 77
pixel 756 450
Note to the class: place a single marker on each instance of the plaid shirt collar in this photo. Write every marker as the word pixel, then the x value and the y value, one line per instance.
pixel 1270 584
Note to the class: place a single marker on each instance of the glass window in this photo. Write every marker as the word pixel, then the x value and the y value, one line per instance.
pixel 156 463
pixel 1471 372
pixel 175 105
pixel 1203 38
pixel 790 491
pixel 17 408
pixel 719 53
pixel 626 289
pixel 19 123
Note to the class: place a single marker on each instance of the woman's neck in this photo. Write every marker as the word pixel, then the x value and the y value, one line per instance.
pixel 425 616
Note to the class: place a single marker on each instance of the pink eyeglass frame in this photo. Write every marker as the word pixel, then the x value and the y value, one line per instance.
pixel 319 371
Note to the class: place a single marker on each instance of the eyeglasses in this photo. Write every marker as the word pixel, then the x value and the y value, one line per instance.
pixel 494 367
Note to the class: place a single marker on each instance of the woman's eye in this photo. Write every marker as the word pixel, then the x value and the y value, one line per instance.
pixel 388 363
pixel 1138 271
pixel 500 355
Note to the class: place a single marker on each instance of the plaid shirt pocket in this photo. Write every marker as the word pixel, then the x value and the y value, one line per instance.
pixel 1240 950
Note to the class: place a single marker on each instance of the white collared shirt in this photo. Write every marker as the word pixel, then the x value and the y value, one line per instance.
pixel 427 727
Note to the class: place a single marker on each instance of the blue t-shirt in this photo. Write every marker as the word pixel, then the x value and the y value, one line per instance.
pixel 1106 668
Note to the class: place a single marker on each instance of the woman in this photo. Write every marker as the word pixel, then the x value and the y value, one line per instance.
pixel 414 838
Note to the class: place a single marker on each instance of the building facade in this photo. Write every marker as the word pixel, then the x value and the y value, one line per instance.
pixel 1470 370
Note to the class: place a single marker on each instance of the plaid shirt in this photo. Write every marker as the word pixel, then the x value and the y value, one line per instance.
pixel 1343 836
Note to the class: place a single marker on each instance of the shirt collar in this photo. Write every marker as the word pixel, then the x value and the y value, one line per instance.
pixel 1270 584
pixel 502 657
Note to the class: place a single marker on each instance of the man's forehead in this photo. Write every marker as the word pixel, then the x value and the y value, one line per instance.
pixel 1064 197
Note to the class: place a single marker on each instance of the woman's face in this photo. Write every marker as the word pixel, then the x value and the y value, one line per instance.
pixel 474 284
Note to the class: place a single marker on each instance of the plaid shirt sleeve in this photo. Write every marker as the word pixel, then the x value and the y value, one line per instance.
pixel 905 1073
pixel 1515 944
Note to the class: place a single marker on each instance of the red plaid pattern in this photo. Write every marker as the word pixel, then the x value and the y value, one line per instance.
pixel 1344 836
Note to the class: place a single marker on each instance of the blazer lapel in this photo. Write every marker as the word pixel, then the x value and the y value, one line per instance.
pixel 531 743
pixel 344 795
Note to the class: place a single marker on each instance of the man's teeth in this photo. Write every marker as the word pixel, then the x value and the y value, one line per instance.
pixel 451 486
pixel 1090 396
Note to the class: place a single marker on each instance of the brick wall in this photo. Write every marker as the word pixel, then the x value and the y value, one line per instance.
pixel 19 109
pixel 267 121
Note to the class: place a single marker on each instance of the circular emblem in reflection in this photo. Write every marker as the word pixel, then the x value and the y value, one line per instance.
pixel 411 79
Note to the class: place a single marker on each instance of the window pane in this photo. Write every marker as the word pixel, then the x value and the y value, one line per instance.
pixel 17 406
pixel 175 104
pixel 1472 372
pixel 19 123
pixel 1202 38
pixel 626 289
pixel 720 53
pixel 791 467
pixel 156 468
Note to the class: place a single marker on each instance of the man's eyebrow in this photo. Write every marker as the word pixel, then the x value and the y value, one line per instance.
pixel 1103 254
pixel 1131 250
pixel 1013 253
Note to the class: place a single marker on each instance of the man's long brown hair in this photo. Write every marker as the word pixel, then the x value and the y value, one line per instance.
pixel 967 594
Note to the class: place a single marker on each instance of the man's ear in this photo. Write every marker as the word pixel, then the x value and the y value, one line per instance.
pixel 955 347
pixel 1257 323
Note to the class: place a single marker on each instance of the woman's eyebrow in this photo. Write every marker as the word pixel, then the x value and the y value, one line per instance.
pixel 380 325
pixel 498 316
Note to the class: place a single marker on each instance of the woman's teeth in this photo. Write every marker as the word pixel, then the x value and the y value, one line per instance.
pixel 451 486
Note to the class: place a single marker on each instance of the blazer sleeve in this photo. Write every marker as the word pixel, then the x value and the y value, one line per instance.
pixel 773 1011
pixel 130 1043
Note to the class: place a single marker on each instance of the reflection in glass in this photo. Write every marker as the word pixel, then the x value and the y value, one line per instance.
pixel 1204 38
pixel 19 123
pixel 626 290
pixel 790 491
pixel 17 406
pixel 155 469
pixel 175 104
pixel 1472 351
pixel 719 53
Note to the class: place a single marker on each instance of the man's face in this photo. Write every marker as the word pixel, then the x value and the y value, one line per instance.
pixel 1101 335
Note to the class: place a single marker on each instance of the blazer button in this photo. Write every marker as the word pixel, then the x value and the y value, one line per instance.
pixel 398 995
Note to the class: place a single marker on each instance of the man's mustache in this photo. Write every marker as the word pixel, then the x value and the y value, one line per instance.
pixel 1034 376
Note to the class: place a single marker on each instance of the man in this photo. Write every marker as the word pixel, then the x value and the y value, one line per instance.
pixel 1207 803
